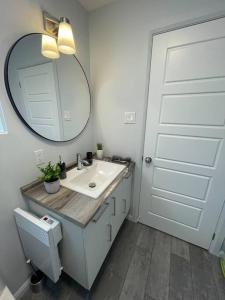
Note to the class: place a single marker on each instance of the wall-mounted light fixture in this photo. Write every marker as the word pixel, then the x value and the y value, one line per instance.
pixel 49 47
pixel 59 39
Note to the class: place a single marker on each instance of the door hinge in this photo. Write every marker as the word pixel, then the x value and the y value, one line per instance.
pixel 214 235
pixel 19 84
pixel 142 157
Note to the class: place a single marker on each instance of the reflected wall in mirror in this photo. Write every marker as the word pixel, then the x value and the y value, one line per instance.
pixel 52 97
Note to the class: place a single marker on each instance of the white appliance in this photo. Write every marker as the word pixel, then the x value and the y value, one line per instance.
pixel 40 238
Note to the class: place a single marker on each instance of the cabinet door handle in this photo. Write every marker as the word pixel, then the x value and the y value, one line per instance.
pixel 100 212
pixel 110 232
pixel 114 206
pixel 125 206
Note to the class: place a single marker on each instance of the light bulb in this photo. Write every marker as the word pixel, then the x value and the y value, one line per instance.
pixel 66 42
pixel 49 47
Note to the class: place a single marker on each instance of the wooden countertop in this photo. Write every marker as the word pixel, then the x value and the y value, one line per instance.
pixel 72 205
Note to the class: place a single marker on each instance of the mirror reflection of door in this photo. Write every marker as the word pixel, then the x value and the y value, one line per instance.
pixel 39 88
pixel 51 96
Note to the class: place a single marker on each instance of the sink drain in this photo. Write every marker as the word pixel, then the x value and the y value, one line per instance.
pixel 92 185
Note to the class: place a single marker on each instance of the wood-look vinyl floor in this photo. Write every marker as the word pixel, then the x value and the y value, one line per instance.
pixel 146 264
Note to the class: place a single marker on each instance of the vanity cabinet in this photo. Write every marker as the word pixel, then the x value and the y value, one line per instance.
pixel 104 226
pixel 84 249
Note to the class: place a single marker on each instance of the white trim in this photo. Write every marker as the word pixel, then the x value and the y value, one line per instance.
pixel 188 23
pixel 22 289
pixel 131 218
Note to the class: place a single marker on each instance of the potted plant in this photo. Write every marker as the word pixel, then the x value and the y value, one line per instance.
pixel 50 177
pixel 99 151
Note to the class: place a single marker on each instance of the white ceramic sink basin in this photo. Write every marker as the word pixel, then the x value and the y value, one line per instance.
pixel 100 175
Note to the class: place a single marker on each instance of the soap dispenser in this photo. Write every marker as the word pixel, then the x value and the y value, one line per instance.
pixel 62 166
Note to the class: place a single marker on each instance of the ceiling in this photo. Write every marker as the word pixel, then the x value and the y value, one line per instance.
pixel 93 4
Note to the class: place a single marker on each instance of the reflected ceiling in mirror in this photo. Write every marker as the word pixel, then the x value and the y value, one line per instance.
pixel 52 97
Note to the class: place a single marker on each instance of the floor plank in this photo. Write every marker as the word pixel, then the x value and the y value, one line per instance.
pixel 107 286
pixel 146 238
pixel 204 287
pixel 180 287
pixel 123 249
pixel 134 286
pixel 64 289
pixel 157 286
pixel 180 248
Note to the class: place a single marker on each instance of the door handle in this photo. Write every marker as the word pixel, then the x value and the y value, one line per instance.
pixel 148 160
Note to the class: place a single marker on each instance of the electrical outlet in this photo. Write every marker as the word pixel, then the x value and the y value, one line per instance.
pixel 39 156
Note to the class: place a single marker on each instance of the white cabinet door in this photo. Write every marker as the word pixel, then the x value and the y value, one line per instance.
pixel 126 195
pixel 117 210
pixel 120 198
pixel 97 241
pixel 183 189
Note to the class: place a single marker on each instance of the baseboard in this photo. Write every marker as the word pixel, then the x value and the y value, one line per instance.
pixel 131 218
pixel 22 289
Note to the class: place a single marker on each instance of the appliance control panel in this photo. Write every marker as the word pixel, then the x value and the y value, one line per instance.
pixel 48 219
pixel 54 225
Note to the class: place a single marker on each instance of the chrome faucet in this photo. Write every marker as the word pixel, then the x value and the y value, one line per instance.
pixel 79 162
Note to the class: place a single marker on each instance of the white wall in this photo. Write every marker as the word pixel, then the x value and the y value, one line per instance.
pixel 17 167
pixel 120 57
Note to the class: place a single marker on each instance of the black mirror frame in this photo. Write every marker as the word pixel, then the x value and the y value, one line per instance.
pixel 6 79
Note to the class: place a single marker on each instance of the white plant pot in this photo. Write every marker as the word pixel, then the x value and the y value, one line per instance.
pixel 52 187
pixel 100 154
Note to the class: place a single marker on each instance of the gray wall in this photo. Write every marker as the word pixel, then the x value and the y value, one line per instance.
pixel 120 57
pixel 17 163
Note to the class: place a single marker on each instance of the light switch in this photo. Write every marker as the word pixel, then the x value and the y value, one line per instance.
pixel 129 117
pixel 67 115
pixel 39 156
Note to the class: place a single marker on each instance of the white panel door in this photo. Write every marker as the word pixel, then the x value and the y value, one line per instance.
pixel 183 188
pixel 39 90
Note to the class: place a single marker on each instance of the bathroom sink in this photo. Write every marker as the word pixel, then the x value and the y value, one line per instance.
pixel 92 181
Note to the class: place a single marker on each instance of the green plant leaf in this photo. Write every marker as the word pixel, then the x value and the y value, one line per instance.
pixel 50 172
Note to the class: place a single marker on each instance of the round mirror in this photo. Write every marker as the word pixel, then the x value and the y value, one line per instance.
pixel 52 97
